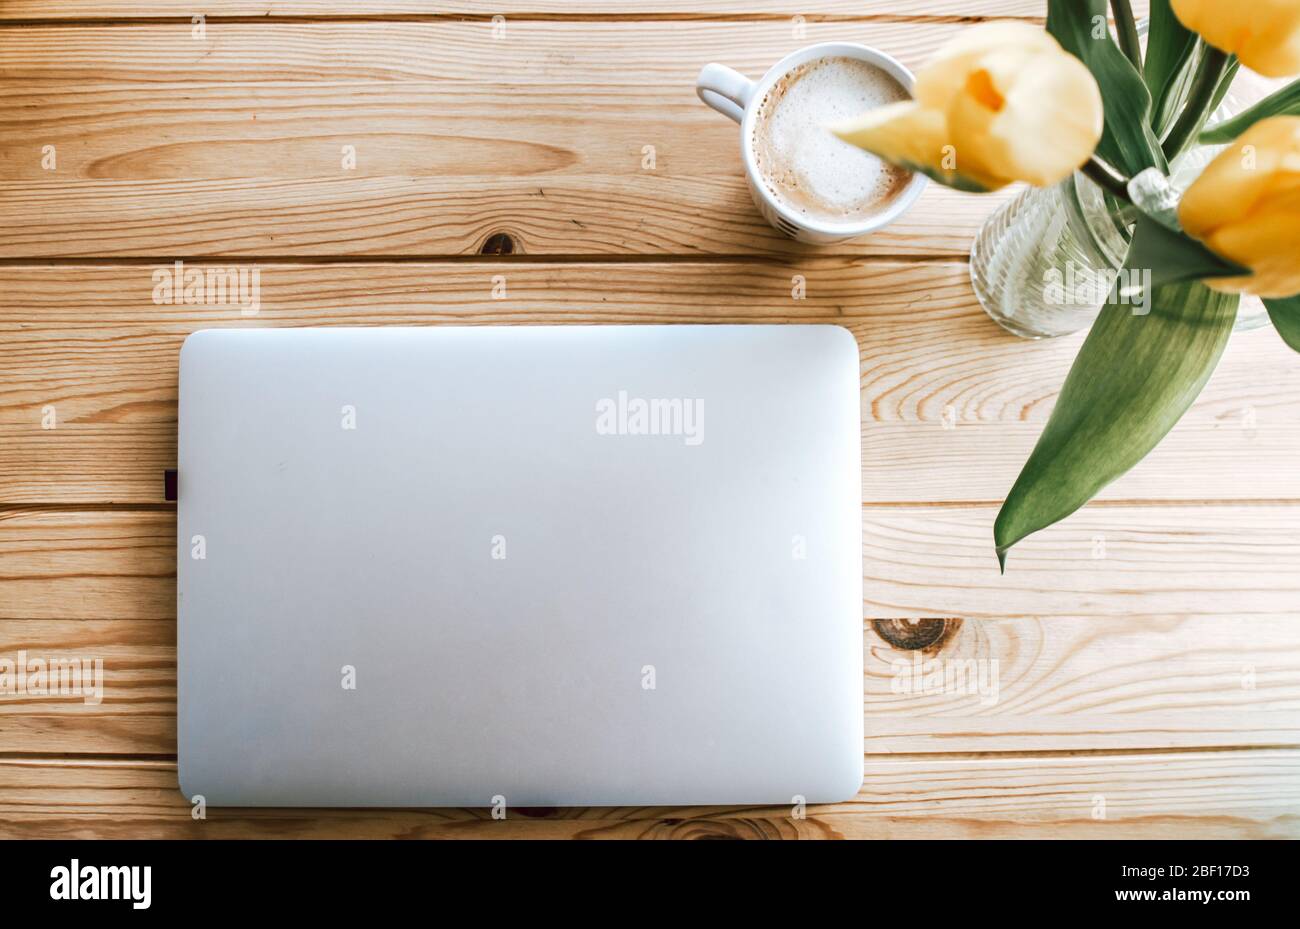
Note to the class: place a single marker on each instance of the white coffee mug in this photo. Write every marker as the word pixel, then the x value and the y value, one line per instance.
pixel 732 94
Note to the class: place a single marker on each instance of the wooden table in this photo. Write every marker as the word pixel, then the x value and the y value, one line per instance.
pixel 1148 648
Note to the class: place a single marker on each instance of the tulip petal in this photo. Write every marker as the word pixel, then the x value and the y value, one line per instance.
pixel 1001 102
pixel 1264 34
pixel 1262 237
pixel 1266 243
pixel 913 137
pixel 1264 162
pixel 1021 138
pixel 945 74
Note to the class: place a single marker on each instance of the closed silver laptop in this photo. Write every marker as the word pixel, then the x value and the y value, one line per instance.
pixel 536 566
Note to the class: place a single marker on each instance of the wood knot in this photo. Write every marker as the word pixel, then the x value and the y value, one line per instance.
pixel 915 634
pixel 537 812
pixel 498 243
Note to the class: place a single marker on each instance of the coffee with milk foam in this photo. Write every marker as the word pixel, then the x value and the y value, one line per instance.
pixel 805 166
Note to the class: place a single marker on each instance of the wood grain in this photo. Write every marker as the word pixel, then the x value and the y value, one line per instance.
pixel 940 383
pixel 1122 682
pixel 914 9
pixel 570 58
pixel 87 565
pixel 1091 665
pixel 1066 683
pixel 232 145
pixel 136 714
pixel 1228 794
pixel 1105 561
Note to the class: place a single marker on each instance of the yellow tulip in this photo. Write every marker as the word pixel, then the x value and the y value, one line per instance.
pixel 1246 208
pixel 1264 34
pixel 1002 102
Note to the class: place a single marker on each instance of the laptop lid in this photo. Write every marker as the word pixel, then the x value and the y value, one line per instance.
pixel 537 566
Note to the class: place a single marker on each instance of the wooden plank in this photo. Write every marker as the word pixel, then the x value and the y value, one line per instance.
pixel 1117 682
pixel 1118 560
pixel 88 565
pixel 1229 794
pixel 128 9
pixel 569 57
pixel 232 145
pixel 951 404
pixel 1068 683
pixel 130 709
pixel 423 217
pixel 68 464
pixel 1120 653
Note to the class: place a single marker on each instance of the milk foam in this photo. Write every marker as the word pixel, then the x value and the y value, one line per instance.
pixel 804 164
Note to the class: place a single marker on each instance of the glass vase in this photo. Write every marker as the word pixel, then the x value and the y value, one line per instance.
pixel 1042 264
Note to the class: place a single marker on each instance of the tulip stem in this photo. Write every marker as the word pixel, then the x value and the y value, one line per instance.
pixel 1107 178
pixel 1200 100
pixel 1126 27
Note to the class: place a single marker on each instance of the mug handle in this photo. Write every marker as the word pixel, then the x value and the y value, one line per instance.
pixel 724 89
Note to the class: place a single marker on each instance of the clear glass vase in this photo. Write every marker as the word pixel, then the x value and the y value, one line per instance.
pixel 1042 264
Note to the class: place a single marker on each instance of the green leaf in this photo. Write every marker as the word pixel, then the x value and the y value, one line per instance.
pixel 1128 141
pixel 1168 256
pixel 1130 43
pixel 1214 73
pixel 948 178
pixel 1225 84
pixel 1133 379
pixel 1285 314
pixel 1285 102
pixel 1171 53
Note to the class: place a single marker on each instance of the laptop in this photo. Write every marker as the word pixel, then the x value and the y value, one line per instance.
pixel 532 566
